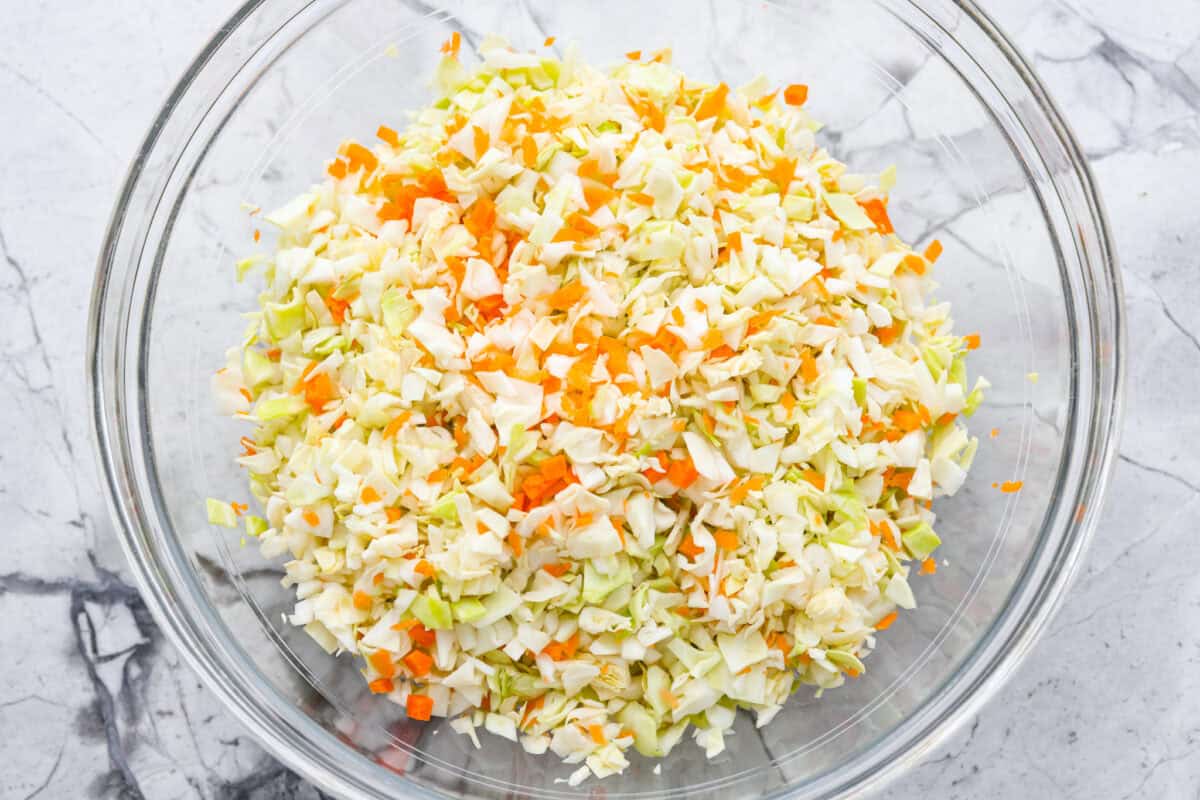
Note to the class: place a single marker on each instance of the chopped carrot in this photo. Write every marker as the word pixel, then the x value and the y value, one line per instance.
pixel 735 241
pixel 597 734
pixel 947 418
pixel 713 102
pixel 362 600
pixel 529 151
pixel 555 467
pixel 597 196
pixel 808 367
pixel 933 251
pixel 398 422
pixel 311 518
pixel 897 478
pixel 689 547
pixel 337 168
pixel 423 567
pixel 1008 487
pixel 388 135
pixel 381 660
pixel 381 686
pixel 668 697
pixel 914 263
pixel 682 473
pixel 884 531
pixel 888 334
pixel 318 391
pixel 928 566
pixel 781 173
pixel 418 662
pixel 557 570
pixel 257 234
pixel 549 41
pixel 515 542
pixel 634 55
pixel 530 707
pixel 420 706
pixel 906 420
pixel 726 540
pixel 994 433
pixel 565 297
pixel 741 489
pixel 360 157
pixel 814 477
pixel 972 341
pixel 641 198
pixel 795 94
pixel 246 394
pixel 886 622
pixel 451 46
pixel 421 636
pixel 876 210
pixel 369 495
pixel 481 141
pixel 393 514
pixel 560 651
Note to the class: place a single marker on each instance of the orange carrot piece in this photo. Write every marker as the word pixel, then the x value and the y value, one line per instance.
pixel 398 422
pixel 381 686
pixel 886 622
pixel 814 477
pixel 388 135
pixel 726 540
pixel 420 706
pixel 876 211
pixel 689 547
pixel 795 94
pixel 682 473
pixel 808 367
pixel 381 660
pixel 933 251
pixel 418 662
pixel 713 102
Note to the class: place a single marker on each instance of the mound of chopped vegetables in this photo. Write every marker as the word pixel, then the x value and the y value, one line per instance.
pixel 597 405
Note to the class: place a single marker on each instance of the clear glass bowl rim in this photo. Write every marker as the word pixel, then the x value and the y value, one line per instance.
pixel 298 742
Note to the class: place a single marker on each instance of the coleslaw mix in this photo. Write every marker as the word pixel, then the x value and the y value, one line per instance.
pixel 597 405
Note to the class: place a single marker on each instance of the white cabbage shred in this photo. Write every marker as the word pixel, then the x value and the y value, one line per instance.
pixel 596 405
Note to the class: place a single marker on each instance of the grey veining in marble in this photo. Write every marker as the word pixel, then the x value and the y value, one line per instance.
pixel 94 703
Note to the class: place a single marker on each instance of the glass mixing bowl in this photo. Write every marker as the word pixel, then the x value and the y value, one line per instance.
pixel 986 164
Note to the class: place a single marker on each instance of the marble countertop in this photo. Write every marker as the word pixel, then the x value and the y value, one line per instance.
pixel 94 703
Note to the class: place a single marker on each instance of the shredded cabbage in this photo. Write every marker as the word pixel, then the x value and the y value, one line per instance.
pixel 596 405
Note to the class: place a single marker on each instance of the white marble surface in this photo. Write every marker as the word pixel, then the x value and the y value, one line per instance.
pixel 93 702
